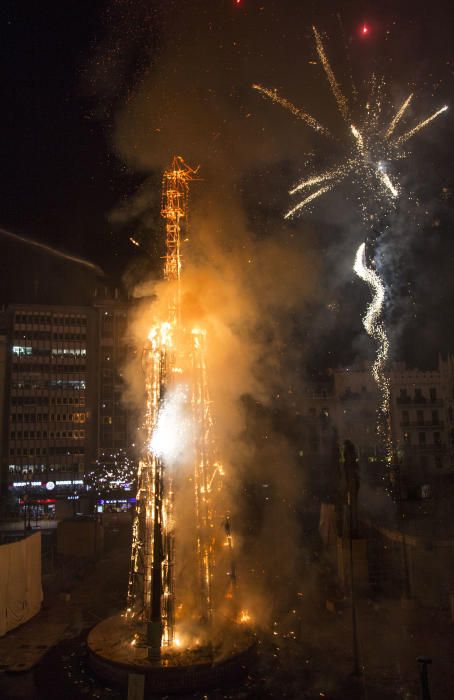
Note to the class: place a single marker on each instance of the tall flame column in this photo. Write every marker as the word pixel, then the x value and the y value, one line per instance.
pixel 171 346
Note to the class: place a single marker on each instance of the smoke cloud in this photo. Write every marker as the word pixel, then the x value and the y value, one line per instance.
pixel 246 277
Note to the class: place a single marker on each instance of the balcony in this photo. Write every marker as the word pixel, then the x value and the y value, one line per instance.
pixel 418 401
pixel 428 425
pixel 434 447
pixel 357 396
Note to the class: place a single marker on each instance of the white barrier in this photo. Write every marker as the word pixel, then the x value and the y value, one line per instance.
pixel 21 592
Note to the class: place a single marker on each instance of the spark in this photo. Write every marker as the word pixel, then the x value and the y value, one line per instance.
pixel 337 92
pixel 275 97
pixel 398 116
pixel 402 139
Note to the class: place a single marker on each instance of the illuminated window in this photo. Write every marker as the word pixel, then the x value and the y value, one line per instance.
pixel 22 350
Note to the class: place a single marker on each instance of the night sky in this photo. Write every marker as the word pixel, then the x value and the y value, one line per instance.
pixel 96 96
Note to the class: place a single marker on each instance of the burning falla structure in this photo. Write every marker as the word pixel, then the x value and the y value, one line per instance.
pixel 179 469
pixel 183 628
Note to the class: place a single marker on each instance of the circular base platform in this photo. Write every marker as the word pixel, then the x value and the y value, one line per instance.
pixel 113 657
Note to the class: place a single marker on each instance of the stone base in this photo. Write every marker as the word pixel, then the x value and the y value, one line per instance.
pixel 113 658
pixel 360 563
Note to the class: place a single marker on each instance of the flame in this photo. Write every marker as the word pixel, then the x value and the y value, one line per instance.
pixel 244 617
pixel 160 335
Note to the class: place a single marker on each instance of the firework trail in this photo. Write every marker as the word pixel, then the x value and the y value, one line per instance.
pixel 372 148
pixel 52 251
pixel 402 139
pixel 398 116
pixel 275 97
pixel 376 329
pixel 308 199
pixel 337 92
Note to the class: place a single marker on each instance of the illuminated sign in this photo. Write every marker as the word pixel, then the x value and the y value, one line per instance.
pixel 68 482
pixel 50 485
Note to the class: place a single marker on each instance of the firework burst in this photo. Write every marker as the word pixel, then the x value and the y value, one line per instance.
pixel 374 144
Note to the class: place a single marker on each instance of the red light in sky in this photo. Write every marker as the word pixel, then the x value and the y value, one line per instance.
pixel 364 30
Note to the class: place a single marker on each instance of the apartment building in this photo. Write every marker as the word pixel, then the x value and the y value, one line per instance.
pixel 49 419
pixel 421 413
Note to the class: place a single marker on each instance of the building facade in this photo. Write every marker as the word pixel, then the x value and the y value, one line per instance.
pixel 113 426
pixel 61 387
pixel 50 395
pixel 421 414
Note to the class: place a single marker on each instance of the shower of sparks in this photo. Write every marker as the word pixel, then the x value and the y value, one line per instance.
pixel 275 97
pixel 372 147
pixel 376 329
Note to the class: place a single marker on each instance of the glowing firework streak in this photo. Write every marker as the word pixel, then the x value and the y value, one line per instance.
pixel 337 92
pixel 316 180
pixel 307 201
pixel 275 97
pixel 376 329
pixel 402 139
pixel 398 116
pixel 359 138
pixel 53 251
pixel 387 182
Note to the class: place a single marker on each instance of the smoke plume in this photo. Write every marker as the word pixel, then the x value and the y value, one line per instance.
pixel 244 281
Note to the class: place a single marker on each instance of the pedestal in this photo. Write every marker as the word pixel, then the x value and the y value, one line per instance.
pixel 113 656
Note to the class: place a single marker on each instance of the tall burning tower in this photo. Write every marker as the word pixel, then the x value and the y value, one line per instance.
pixel 177 405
